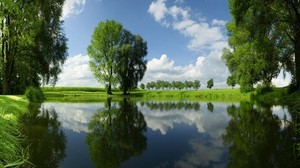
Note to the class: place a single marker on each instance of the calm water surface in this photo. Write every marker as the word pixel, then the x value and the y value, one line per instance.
pixel 158 134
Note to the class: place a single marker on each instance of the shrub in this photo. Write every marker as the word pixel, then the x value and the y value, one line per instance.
pixel 263 89
pixel 34 94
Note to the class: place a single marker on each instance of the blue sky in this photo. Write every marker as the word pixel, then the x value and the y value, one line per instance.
pixel 185 37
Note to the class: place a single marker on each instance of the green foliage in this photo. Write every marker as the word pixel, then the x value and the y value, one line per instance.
pixel 33 45
pixel 262 89
pixel 160 84
pixel 142 86
pixel 131 61
pixel 103 51
pixel 117 56
pixel 34 94
pixel 231 81
pixel 210 83
pixel 265 35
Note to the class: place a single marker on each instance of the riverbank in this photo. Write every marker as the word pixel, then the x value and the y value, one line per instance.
pixel 98 94
pixel 11 108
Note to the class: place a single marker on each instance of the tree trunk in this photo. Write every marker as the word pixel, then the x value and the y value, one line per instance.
pixel 109 82
pixel 297 62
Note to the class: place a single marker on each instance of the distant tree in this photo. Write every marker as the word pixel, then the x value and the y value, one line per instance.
pixel 180 85
pixel 103 52
pixel 142 86
pixel 231 81
pixel 210 83
pixel 196 84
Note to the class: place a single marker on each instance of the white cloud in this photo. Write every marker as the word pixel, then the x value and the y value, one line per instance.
pixel 216 22
pixel 158 9
pixel 76 72
pixel 207 38
pixel 202 34
pixel 72 7
pixel 203 69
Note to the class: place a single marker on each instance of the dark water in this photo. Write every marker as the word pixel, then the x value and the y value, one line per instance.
pixel 159 134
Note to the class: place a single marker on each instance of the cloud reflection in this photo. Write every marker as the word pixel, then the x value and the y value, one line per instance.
pixel 74 116
pixel 205 121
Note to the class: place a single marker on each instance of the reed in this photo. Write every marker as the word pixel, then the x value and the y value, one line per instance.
pixel 11 154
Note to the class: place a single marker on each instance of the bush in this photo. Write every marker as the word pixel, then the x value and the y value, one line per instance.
pixel 263 89
pixel 34 94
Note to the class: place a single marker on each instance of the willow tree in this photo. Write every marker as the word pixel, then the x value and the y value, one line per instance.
pixel 276 21
pixel 131 61
pixel 32 43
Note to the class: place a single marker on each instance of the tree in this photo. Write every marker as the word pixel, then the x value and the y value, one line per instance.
pixel 196 84
pixel 131 61
pixel 117 56
pixel 210 83
pixel 142 86
pixel 250 60
pixel 231 81
pixel 103 52
pixel 278 23
pixel 32 44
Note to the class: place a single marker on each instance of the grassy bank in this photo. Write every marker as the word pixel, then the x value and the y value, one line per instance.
pixel 11 153
pixel 98 94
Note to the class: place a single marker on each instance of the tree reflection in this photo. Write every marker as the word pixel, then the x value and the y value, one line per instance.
pixel 257 140
pixel 44 136
pixel 168 106
pixel 210 107
pixel 116 134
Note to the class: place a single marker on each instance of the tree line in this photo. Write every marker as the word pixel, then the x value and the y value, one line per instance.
pixel 264 39
pixel 176 85
pixel 32 44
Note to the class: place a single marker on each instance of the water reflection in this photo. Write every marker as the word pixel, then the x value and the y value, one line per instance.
pixel 257 139
pixel 172 105
pixel 116 134
pixel 210 107
pixel 45 138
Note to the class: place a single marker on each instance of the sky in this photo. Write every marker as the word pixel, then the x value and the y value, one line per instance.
pixel 185 38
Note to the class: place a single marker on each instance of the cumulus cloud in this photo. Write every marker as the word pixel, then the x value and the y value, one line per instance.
pixel 158 9
pixel 72 7
pixel 76 72
pixel 208 38
pixel 202 34
pixel 203 69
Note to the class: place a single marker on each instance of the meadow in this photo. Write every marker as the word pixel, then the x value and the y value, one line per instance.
pixel 98 94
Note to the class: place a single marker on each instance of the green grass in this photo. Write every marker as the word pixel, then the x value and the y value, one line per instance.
pixel 11 153
pixel 86 94
pixel 220 95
